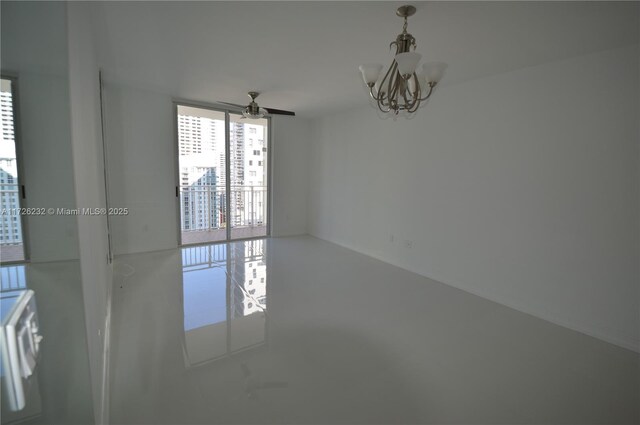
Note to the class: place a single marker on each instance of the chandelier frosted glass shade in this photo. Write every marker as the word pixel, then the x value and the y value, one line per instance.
pixel 434 71
pixel 421 81
pixel 403 86
pixel 407 63
pixel 370 73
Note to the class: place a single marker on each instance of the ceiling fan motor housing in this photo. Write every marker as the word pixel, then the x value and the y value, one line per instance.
pixel 253 108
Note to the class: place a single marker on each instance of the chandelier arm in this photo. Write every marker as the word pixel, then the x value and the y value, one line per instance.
pixel 392 85
pixel 380 98
pixel 391 75
pixel 410 98
pixel 381 109
pixel 415 106
pixel 431 86
pixel 417 94
pixel 395 89
pixel 407 103
pixel 373 95
pixel 393 94
pixel 380 104
pixel 387 75
pixel 418 91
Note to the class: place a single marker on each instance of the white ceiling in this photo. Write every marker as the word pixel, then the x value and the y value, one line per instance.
pixel 304 56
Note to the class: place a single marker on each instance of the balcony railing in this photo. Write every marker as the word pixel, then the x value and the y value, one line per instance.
pixel 204 207
pixel 207 256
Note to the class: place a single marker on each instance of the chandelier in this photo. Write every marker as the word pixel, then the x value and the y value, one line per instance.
pixel 403 88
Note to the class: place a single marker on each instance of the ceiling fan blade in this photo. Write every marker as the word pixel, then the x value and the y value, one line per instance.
pixel 280 112
pixel 272 111
pixel 234 104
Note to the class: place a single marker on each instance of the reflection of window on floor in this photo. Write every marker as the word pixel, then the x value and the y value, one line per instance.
pixel 13 278
pixel 222 314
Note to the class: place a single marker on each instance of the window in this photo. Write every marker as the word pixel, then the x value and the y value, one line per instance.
pixel 203 197
pixel 9 176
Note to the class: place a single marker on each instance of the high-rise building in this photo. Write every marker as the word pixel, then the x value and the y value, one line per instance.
pixel 203 176
pixel 201 209
pixel 249 272
pixel 10 226
pixel 202 152
pixel 255 175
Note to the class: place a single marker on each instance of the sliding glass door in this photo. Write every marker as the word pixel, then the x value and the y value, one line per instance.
pixel 222 187
pixel 248 150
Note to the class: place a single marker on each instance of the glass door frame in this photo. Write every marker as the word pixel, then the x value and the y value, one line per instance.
pixel 17 138
pixel 227 110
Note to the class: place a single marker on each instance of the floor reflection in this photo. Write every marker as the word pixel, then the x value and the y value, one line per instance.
pixel 19 367
pixel 13 277
pixel 224 296
pixel 346 339
pixel 59 390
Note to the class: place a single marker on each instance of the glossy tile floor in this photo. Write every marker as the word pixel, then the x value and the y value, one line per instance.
pixel 298 330
pixel 61 388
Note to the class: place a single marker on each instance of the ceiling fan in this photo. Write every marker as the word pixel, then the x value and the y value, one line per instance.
pixel 253 111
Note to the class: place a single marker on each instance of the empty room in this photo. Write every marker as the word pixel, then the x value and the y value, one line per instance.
pixel 320 212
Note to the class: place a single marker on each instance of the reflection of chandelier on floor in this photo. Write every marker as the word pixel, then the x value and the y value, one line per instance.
pixel 402 88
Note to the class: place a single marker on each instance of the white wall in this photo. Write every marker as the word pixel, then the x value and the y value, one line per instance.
pixel 141 148
pixel 522 188
pixel 34 48
pixel 291 140
pixel 49 48
pixel 88 170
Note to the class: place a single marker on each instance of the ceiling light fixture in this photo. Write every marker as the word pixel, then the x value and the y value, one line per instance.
pixel 402 88
pixel 252 110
